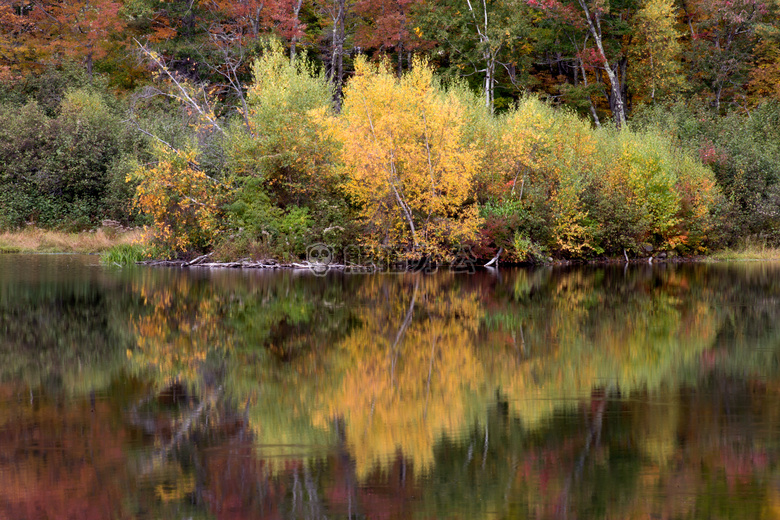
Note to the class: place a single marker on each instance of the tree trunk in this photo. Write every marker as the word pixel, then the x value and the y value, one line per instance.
pixel 400 48
pixel 337 55
pixel 490 66
pixel 89 65
pixel 593 112
pixel 400 58
pixel 617 102
pixel 294 39
pixel 488 54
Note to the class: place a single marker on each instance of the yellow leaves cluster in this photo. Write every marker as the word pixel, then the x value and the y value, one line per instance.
pixel 546 152
pixel 411 367
pixel 406 161
pixel 656 51
pixel 180 198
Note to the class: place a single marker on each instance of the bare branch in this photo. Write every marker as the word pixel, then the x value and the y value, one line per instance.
pixel 183 95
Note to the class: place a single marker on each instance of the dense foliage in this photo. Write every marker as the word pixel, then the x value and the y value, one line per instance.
pixel 68 169
pixel 563 128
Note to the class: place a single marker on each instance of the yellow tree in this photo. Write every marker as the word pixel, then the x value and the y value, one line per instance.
pixel 406 162
pixel 656 51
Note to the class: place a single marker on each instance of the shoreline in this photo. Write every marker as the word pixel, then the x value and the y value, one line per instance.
pixel 34 240
pixel 269 264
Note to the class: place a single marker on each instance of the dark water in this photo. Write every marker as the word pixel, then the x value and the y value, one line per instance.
pixel 644 392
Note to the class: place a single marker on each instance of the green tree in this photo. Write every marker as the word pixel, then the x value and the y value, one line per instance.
pixel 485 42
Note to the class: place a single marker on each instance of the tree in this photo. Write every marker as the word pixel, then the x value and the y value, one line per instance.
pixel 282 146
pixel 337 11
pixel 48 30
pixel 606 25
pixel 405 161
pixel 655 51
pixel 385 27
pixel 722 36
pixel 614 70
pixel 288 24
pixel 247 17
pixel 478 39
pixel 765 76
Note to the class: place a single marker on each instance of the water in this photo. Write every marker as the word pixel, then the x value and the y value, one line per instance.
pixel 610 392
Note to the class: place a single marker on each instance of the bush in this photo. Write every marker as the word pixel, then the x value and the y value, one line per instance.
pixel 743 150
pixel 566 188
pixel 283 145
pixel 182 201
pixel 63 172
pixel 263 229
pixel 647 191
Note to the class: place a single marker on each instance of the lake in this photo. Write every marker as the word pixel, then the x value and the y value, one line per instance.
pixel 639 391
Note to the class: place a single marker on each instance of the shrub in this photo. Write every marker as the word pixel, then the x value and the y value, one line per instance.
pixel 566 188
pixel 743 150
pixel 183 202
pixel 62 172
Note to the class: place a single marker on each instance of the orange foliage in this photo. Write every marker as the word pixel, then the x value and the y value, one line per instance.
pixel 182 200
pixel 46 31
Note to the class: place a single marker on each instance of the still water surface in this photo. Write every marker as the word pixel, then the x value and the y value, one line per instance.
pixel 610 392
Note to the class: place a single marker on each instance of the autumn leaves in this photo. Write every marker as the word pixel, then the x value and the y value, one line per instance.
pixel 406 162
pixel 413 169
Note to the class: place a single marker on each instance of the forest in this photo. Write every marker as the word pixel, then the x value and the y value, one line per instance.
pixel 537 129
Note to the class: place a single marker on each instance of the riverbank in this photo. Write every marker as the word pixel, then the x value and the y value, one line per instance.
pixel 36 240
pixel 207 262
pixel 108 239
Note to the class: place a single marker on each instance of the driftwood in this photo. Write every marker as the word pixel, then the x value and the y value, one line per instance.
pixel 201 262
pixel 495 258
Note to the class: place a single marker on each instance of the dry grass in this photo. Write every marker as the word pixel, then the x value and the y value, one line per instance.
pixel 36 240
pixel 749 250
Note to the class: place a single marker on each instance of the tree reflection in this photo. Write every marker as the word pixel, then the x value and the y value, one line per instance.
pixel 388 369
pixel 582 393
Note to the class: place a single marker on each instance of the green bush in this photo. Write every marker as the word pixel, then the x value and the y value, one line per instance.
pixel 65 172
pixel 558 185
pixel 743 149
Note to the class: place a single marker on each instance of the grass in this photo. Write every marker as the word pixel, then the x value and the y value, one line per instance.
pixel 36 240
pixel 123 254
pixel 749 250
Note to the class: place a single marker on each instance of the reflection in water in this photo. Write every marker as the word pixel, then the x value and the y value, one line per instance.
pixel 646 392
